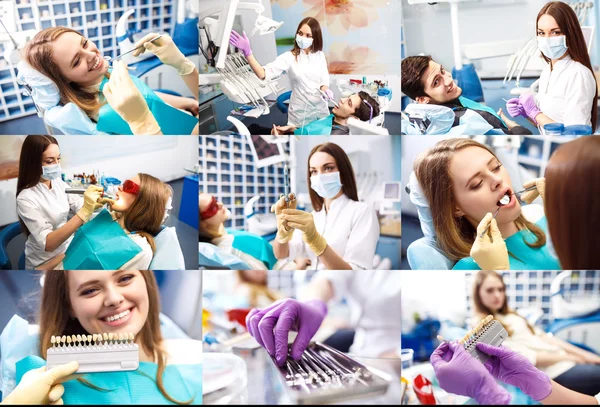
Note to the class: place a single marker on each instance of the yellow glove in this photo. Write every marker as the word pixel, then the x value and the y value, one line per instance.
pixel 540 190
pixel 166 50
pixel 90 202
pixel 490 254
pixel 122 95
pixel 284 232
pixel 108 201
pixel 41 386
pixel 304 221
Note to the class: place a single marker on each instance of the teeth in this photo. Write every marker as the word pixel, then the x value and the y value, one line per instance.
pixel 118 316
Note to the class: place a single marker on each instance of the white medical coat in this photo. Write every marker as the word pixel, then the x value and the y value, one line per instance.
pixel 350 228
pixel 373 297
pixel 566 94
pixel 307 74
pixel 43 211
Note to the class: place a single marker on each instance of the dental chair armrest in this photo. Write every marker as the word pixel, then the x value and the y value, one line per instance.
pixel 423 254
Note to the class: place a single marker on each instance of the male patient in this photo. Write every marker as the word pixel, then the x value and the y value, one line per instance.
pixel 427 82
pixel 360 105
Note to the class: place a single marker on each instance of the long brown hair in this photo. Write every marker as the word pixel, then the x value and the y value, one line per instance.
pixel 569 25
pixel 317 36
pixel 481 310
pixel 455 236
pixel 38 54
pixel 55 319
pixel 574 171
pixel 145 215
pixel 346 173
pixel 30 164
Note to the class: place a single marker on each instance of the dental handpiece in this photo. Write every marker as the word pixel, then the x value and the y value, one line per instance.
pixel 81 191
pixel 326 98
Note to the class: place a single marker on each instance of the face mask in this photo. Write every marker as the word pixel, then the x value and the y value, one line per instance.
pixel 303 42
pixel 326 185
pixel 553 47
pixel 50 172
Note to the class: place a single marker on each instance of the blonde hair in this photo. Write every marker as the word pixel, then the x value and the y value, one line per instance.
pixel 39 54
pixel 455 235
pixel 55 319
pixel 146 214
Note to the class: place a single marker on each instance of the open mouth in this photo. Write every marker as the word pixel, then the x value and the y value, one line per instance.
pixel 118 318
pixel 452 89
pixel 97 62
pixel 507 199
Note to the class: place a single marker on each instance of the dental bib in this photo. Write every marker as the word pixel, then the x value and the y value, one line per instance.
pixel 254 245
pixel 100 244
pixel 471 104
pixel 172 121
pixel 321 127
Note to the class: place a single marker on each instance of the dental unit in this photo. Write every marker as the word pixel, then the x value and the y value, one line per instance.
pixel 106 352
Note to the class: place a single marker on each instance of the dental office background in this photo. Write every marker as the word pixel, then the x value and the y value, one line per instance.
pixel 170 159
pixel 524 157
pixel 489 33
pixel 103 22
pixel 361 41
pixel 227 172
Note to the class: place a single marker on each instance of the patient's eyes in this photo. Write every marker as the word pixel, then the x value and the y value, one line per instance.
pixel 477 186
pixel 84 45
pixel 126 278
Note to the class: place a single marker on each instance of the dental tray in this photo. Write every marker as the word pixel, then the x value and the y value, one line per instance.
pixel 325 375
pixel 489 331
pixel 95 353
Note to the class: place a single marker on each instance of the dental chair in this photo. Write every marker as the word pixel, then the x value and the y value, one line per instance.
pixel 6 236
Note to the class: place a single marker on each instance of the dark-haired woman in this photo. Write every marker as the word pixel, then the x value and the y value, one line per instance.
pixel 340 233
pixel 306 67
pixel 568 92
pixel 42 204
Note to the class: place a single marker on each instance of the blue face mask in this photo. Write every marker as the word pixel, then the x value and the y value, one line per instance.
pixel 303 42
pixel 51 172
pixel 326 185
pixel 553 47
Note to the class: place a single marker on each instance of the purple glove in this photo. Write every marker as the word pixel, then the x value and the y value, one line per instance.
pixel 527 101
pixel 329 94
pixel 460 373
pixel 241 43
pixel 270 326
pixel 515 369
pixel 514 108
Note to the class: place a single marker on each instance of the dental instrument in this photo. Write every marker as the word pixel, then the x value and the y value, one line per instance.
pixel 81 191
pixel 495 213
pixel 286 185
pixel 106 352
pixel 112 61
pixel 326 98
pixel 531 188
pixel 488 331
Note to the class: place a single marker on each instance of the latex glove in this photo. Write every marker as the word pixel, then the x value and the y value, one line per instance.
pixel 513 368
pixel 304 221
pixel 108 201
pixel 514 108
pixel 90 202
pixel 460 373
pixel 527 101
pixel 41 386
pixel 329 93
pixel 270 326
pixel 128 102
pixel 241 43
pixel 166 50
pixel 540 190
pixel 284 232
pixel 490 253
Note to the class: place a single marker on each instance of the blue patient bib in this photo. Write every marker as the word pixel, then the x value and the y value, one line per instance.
pixel 172 121
pixel 254 245
pixel 321 127
pixel 181 382
pixel 100 244
pixel 471 104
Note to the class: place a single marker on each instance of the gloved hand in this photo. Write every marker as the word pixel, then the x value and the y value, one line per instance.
pixel 514 108
pixel 304 221
pixel 41 386
pixel 488 254
pixel 90 202
pixel 527 101
pixel 270 326
pixel 460 373
pixel 128 102
pixel 540 190
pixel 513 368
pixel 329 93
pixel 284 232
pixel 166 50
pixel 108 201
pixel 241 43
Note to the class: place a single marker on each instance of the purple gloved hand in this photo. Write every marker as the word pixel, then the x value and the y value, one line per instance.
pixel 241 43
pixel 514 108
pixel 527 101
pixel 460 373
pixel 270 326
pixel 515 369
pixel 329 94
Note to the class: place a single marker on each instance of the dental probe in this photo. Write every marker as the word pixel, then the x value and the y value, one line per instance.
pixel 131 50
pixel 493 217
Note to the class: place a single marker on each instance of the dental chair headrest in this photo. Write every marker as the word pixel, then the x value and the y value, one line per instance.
pixel 44 91
pixel 413 188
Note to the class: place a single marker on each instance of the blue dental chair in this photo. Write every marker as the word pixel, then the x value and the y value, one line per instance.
pixel 6 236
pixel 281 101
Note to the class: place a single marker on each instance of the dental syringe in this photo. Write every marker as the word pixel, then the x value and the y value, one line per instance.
pixel 286 185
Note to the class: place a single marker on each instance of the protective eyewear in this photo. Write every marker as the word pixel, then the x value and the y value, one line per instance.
pixel 131 187
pixel 371 115
pixel 211 210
